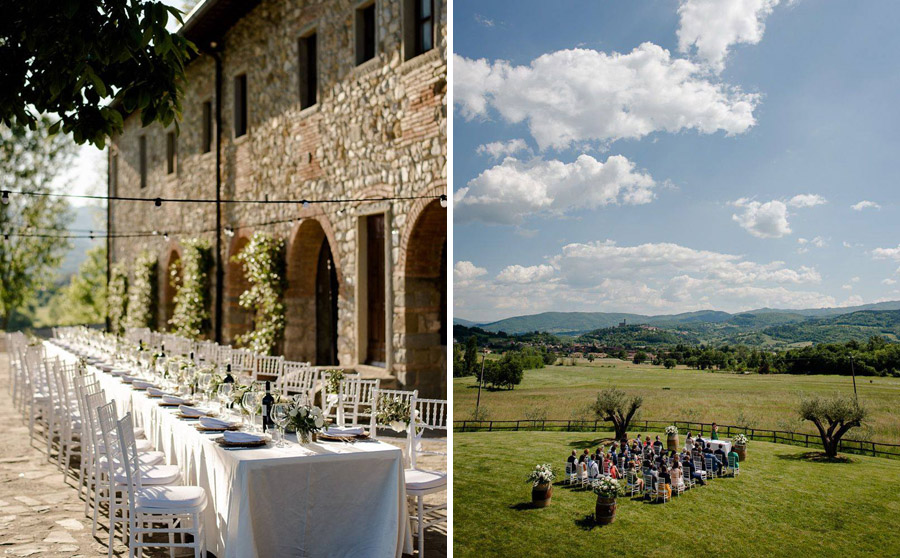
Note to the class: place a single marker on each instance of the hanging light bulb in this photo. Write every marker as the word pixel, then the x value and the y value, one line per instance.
pixel 91 234
pixel 305 204
pixel 4 197
pixel 157 202
pixel 229 232
pixel 166 236
pixel 444 200
pixel 5 236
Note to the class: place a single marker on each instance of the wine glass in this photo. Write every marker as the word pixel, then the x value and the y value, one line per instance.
pixel 225 395
pixel 203 383
pixel 251 400
pixel 280 414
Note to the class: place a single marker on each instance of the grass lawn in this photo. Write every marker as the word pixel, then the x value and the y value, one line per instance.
pixel 784 503
pixel 764 401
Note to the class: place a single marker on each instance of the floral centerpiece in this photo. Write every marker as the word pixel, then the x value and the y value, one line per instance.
pixel 305 420
pixel 672 438
pixel 607 490
pixel 739 441
pixel 541 478
pixel 237 397
pixel 394 412
pixel 333 381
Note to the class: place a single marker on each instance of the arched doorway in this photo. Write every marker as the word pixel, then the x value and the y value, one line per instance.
pixel 170 288
pixel 425 299
pixel 237 320
pixel 311 298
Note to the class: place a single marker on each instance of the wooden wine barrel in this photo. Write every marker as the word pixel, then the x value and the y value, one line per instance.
pixel 605 512
pixel 541 494
pixel 672 442
pixel 742 453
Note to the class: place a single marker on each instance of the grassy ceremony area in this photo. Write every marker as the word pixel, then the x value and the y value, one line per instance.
pixel 785 499
pixel 754 400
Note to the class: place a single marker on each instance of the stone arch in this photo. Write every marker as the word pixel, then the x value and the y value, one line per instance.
pixel 313 290
pixel 424 271
pixel 237 320
pixel 168 291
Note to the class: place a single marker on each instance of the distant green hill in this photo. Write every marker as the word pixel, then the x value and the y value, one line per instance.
pixel 633 337
pixel 845 327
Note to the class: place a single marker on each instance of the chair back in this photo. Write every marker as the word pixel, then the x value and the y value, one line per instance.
pixel 106 418
pixel 93 402
pixel 268 368
pixel 242 361
pixel 428 415
pixel 732 461
pixel 709 463
pixel 298 378
pixel 130 464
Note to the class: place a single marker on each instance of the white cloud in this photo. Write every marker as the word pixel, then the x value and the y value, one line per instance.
pixel 763 220
pixel 712 26
pixel 889 281
pixel 582 95
pixel 507 192
pixel 646 278
pixel 806 200
pixel 887 253
pixel 865 204
pixel 854 279
pixel 465 271
pixel 847 287
pixel 498 149
pixel 522 274
pixel 483 21
pixel 806 243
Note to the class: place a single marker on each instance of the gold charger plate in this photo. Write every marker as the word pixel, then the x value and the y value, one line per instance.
pixel 233 428
pixel 221 441
pixel 323 436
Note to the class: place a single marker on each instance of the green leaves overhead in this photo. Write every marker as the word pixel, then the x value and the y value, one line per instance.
pixel 75 60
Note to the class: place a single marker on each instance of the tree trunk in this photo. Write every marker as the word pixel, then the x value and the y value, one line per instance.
pixel 830 446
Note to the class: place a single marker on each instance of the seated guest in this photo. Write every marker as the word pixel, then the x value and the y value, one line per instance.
pixel 733 458
pixel 721 455
pixel 598 455
pixel 623 444
pixel 638 480
pixel 707 452
pixel 694 472
pixel 594 470
pixel 614 471
pixel 582 470
pixel 676 475
pixel 665 478
pixel 690 440
pixel 657 443
pixel 647 442
pixel 584 456
pixel 572 458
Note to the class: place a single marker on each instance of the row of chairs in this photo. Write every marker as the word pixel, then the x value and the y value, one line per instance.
pixel 77 421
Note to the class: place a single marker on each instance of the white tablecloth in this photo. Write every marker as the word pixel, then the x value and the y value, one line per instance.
pixel 328 499
pixel 716 444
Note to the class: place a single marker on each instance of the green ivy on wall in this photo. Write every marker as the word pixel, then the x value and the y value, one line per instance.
pixel 117 298
pixel 141 310
pixel 191 316
pixel 263 263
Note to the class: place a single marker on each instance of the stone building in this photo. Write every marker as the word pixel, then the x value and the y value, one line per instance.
pixel 309 100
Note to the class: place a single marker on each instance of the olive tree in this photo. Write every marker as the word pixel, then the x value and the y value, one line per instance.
pixel 617 407
pixel 833 416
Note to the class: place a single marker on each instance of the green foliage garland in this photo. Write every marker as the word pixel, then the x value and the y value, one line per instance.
pixel 263 263
pixel 191 317
pixel 117 298
pixel 141 292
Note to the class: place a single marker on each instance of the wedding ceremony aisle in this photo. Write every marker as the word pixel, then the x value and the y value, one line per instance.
pixel 40 515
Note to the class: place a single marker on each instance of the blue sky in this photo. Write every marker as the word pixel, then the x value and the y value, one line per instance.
pixel 663 156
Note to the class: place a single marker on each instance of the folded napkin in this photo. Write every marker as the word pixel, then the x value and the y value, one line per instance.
pixel 140 384
pixel 190 411
pixel 173 400
pixel 344 431
pixel 241 437
pixel 118 371
pixel 210 422
pixel 129 379
pixel 155 392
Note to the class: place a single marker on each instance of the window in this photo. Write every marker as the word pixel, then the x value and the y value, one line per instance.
pixel 375 290
pixel 418 27
pixel 424 26
pixel 171 153
pixel 308 71
pixel 240 105
pixel 207 139
pixel 114 173
pixel 365 33
pixel 142 164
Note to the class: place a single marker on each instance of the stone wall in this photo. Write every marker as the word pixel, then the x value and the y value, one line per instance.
pixel 378 129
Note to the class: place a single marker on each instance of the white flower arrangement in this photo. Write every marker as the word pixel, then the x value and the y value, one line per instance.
pixel 305 418
pixel 607 487
pixel 672 430
pixel 542 474
pixel 739 440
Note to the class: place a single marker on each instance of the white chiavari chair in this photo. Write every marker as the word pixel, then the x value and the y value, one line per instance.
pixel 242 362
pixel 177 508
pixel 301 379
pixel 268 368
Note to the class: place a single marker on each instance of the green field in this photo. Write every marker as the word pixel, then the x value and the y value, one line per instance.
pixel 757 401
pixel 784 503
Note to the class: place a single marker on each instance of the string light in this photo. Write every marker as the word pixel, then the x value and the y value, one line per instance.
pixel 444 200
pixel 166 236
pixel 157 202
pixel 4 197
pixel 229 232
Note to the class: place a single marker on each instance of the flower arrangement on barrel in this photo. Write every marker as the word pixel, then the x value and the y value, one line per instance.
pixel 672 438
pixel 607 490
pixel 739 441
pixel 541 479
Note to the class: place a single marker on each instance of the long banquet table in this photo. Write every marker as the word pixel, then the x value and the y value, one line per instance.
pixel 326 499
